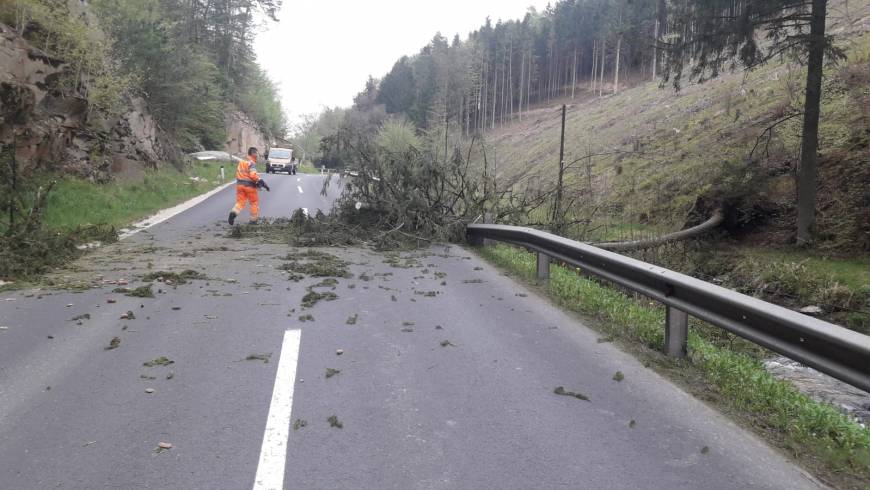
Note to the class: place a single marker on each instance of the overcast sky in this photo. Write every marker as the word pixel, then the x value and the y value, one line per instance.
pixel 322 51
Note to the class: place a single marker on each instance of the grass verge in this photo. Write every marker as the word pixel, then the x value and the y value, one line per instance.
pixel 817 435
pixel 77 212
pixel 840 286
pixel 78 202
pixel 307 169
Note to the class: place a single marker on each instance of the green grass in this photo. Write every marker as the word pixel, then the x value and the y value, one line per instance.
pixel 852 272
pixel 307 169
pixel 76 202
pixel 791 277
pixel 664 150
pixel 815 433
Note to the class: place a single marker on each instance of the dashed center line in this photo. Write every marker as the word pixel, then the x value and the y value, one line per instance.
pixel 273 454
pixel 300 189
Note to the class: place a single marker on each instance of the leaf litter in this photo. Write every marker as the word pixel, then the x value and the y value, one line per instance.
pixel 560 390
pixel 158 361
pixel 259 357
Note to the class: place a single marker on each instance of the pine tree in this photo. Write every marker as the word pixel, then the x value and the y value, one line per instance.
pixel 710 35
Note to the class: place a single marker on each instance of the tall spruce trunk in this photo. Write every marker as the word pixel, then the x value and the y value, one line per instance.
pixel 655 63
pixel 602 63
pixel 494 94
pixel 483 88
pixel 522 81
pixel 529 80
pixel 511 80
pixel 594 66
pixel 574 74
pixel 616 67
pixel 808 170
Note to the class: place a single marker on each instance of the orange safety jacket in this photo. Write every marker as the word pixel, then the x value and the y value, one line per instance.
pixel 246 174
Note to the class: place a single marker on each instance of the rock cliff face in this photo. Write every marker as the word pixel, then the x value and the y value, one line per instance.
pixel 54 129
pixel 243 133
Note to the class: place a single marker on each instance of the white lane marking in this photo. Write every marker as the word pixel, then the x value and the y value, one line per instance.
pixel 165 214
pixel 305 211
pixel 300 189
pixel 273 454
pixel 298 179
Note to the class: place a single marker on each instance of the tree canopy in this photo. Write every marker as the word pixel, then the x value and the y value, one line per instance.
pixel 188 58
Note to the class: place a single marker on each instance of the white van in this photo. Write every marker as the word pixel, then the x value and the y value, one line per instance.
pixel 280 160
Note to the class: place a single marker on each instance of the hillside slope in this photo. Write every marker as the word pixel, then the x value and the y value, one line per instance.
pixel 659 155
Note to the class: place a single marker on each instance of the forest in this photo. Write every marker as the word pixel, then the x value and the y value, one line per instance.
pixel 188 58
pixel 502 69
pixel 455 91
pixel 593 47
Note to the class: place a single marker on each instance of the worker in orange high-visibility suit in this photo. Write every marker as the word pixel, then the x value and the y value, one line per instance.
pixel 247 184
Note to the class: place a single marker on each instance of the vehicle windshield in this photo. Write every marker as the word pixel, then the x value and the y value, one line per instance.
pixel 279 153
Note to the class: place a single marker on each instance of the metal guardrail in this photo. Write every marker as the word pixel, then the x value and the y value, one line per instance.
pixel 831 349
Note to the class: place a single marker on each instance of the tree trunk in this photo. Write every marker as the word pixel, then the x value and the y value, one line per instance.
pixel 574 74
pixel 557 206
pixel 616 67
pixel 594 66
pixel 504 87
pixel 603 59
pixel 715 220
pixel 481 113
pixel 511 78
pixel 655 62
pixel 550 76
pixel 522 81
pixel 808 170
pixel 529 81
pixel 565 80
pixel 494 94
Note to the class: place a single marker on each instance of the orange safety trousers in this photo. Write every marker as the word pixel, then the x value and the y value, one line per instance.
pixel 246 194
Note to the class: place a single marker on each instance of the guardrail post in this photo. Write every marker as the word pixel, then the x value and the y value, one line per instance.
pixel 676 332
pixel 543 272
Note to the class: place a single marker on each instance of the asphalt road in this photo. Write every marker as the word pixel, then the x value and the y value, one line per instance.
pixel 446 377
pixel 289 192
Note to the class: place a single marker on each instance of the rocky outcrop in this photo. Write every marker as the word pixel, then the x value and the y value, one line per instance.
pixel 243 133
pixel 54 128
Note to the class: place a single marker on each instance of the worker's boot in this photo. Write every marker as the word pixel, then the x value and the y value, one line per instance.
pixel 232 218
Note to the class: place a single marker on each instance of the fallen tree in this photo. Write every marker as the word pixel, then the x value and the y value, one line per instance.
pixel 694 232
pixel 400 193
pixel 27 248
